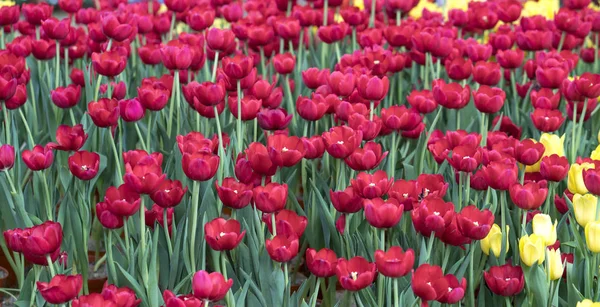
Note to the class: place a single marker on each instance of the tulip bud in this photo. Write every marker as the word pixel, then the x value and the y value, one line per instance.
pixel 592 236
pixel 543 227
pixel 531 249
pixel 7 157
pixel 321 263
pixel 493 241
pixel 585 208
pixel 131 110
pixel 555 266
pixel 210 286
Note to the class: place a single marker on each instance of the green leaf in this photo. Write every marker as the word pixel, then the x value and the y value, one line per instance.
pixel 134 285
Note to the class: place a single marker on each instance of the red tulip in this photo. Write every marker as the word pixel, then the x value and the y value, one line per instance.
pixel 66 97
pixel 311 109
pixel 432 215
pixel 314 77
pixel 554 168
pixel 282 248
pixel 122 201
pixel 37 242
pixel 474 223
pixel 591 179
pixel 355 274
pixel 346 201
pixel 123 296
pixel 285 151
pixel 136 156
pixel 465 158
pixel 341 141
pixel 270 198
pixel 39 158
pixel 422 101
pixel 545 98
pixel 423 279
pixel 273 119
pixel 56 29
pixel 118 27
pixel 176 55
pixel 371 185
pixel 547 120
pixel 366 158
pixel 70 6
pixel 551 71
pixel 383 213
pixel 501 174
pixel 287 223
pixel 372 88
pixel 171 300
pixel 131 110
pixel 400 118
pixel 510 59
pixel 200 166
pixel 395 262
pixel 220 40
pixel 109 63
pixel 200 18
pixel 486 73
pixel 150 54
pixel 529 196
pixel 237 67
pixel 260 160
pixel 7 157
pixel 156 215
pixel 35 13
pixel 234 194
pixel 61 288
pixel 449 289
pixel 168 193
pixel 84 164
pixel 505 280
pixel 154 96
pixel 322 263
pixel 489 99
pixel 223 235
pixel 333 32
pixel 104 112
pixel 344 84
pixel 284 63
pixel 144 176
pixel 459 68
pixel 451 95
pixel 93 300
pixel 9 15
pixel 315 147
pixel 106 218
pixel 529 152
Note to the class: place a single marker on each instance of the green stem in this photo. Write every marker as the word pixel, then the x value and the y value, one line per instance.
pixel 290 101
pixel 57 68
pixel 396 298
pixel 221 150
pixel 66 72
pixel 6 124
pixel 166 230
pixel 47 194
pixel 240 133
pixel 381 278
pixel 215 64
pixel 372 109
pixel 315 294
pixel 173 19
pixel 472 280
pixel 372 17
pixel 116 155
pixel 503 247
pixel 562 41
pixel 194 224
pixel 127 238
pixel 139 133
pixel 145 275
pixel 148 133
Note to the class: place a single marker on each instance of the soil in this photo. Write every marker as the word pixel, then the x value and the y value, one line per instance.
pixel 99 274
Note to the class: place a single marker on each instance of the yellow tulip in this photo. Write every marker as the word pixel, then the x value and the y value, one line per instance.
pixel 417 11
pixel 543 227
pixel 493 241
pixel 553 145
pixel 6 3
pixel 585 208
pixel 532 249
pixel 587 303
pixel 596 153
pixel 592 236
pixel 598 136
pixel 554 264
pixel 546 8
pixel 575 180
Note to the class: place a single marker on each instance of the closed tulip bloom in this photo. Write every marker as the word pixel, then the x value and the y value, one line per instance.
pixel 282 248
pixel 223 235
pixel 84 164
pixel 200 18
pixel 39 158
pixel 234 194
pixel 459 68
pixel 287 223
pixel 422 101
pixel 210 93
pixel 273 119
pixel 66 97
pixel 543 227
pixel 592 236
pixel 285 151
pixel 591 179
pixel 7 157
pixel 176 56
pixel 400 118
pixel 70 138
pixel 529 152
pixel 61 288
pixel 41 241
pixel 314 77
pixel 109 63
pixel 528 196
pixel 501 174
pixel 9 15
pixel 122 201
pixel 532 249
pixel 489 99
pixel 554 268
pixel 311 109
pixel 510 59
pixel 315 147
pixel 346 201
pixel 505 280
pixel 321 263
pixel 486 73
pixel 56 29
pixel 154 96
pixel 550 74
pixel 260 160
pixel 270 198
pixel 355 274
pixel 370 128
pixel 200 166
pixel 575 181
pixel 584 207
pixel 168 193
pixel 106 218
pixel 493 241
pixel 237 67
pixel 366 158
pixel 451 95
pixel 210 286
pixel 372 88
pixel 341 141
pixel 284 63
pixel 545 98
pixel 383 213
pixel 433 214
pixel 422 281
pixel 35 13
pixel 118 27
pixel 343 84
pixel 220 40
pixel 465 158
pixel 395 262
pixel 131 110
pixel 547 120
pixel 474 223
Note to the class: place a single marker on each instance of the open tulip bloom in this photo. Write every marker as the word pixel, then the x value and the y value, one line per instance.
pixel 300 153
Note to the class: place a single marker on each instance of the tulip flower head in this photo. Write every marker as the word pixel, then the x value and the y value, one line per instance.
pixel 493 241
pixel 532 249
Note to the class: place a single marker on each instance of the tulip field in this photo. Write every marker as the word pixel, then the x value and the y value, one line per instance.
pixel 283 153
